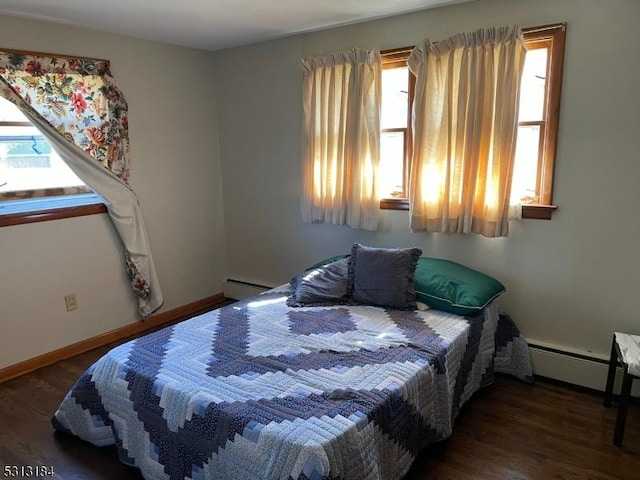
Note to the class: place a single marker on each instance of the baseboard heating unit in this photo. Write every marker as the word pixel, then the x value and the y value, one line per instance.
pixel 586 369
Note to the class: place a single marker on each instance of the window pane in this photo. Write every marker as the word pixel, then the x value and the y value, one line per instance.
pixel 391 164
pixel 27 161
pixel 532 86
pixel 525 174
pixel 10 113
pixel 32 171
pixel 395 97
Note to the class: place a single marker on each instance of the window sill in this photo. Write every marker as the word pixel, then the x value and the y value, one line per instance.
pixel 536 212
pixel 394 204
pixel 12 213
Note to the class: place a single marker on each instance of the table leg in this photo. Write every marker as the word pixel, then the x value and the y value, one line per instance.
pixel 621 419
pixel 611 375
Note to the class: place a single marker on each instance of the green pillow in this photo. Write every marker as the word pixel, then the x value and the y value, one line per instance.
pixel 454 288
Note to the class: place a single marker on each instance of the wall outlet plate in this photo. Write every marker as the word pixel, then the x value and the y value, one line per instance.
pixel 71 302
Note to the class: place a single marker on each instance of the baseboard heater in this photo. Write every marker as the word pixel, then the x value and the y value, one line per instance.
pixel 585 369
pixel 239 289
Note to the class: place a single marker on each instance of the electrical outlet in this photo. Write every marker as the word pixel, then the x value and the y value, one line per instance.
pixel 71 301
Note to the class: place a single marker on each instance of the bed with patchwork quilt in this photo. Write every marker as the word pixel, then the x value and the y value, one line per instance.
pixel 261 389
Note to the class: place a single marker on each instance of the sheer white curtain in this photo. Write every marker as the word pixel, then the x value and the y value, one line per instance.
pixel 341 138
pixel 465 130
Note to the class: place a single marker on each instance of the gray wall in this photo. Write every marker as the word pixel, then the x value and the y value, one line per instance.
pixel 176 173
pixel 571 281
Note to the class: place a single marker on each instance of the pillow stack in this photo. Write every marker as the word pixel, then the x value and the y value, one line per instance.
pixel 395 278
pixel 382 277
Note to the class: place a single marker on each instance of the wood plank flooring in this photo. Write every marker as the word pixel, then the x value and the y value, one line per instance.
pixel 508 431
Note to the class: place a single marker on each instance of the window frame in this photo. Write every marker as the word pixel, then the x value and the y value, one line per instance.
pixel 553 37
pixel 44 215
pixel 395 58
pixel 34 215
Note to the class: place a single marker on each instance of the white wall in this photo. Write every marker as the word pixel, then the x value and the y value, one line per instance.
pixel 176 173
pixel 571 281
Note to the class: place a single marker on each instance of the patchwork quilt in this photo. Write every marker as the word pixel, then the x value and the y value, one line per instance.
pixel 261 390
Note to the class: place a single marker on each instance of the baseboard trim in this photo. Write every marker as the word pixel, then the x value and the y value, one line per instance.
pixel 122 333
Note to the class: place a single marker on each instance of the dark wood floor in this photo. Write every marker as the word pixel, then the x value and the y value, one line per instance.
pixel 509 431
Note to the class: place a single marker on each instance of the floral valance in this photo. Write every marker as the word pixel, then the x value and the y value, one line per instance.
pixel 77 97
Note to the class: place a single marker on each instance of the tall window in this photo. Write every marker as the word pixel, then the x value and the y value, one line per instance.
pixel 29 167
pixel 395 120
pixel 537 133
pixel 538 120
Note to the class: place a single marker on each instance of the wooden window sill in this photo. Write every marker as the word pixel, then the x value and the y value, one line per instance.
pixel 51 214
pixel 536 212
pixel 394 204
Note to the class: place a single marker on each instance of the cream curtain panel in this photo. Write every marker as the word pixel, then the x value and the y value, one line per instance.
pixel 77 106
pixel 341 139
pixel 465 130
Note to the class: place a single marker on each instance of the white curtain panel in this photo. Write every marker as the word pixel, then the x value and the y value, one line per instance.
pixel 123 208
pixel 341 139
pixel 465 130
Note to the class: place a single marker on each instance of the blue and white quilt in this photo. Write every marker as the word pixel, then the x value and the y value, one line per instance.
pixel 261 390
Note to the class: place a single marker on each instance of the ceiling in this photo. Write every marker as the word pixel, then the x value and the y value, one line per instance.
pixel 211 24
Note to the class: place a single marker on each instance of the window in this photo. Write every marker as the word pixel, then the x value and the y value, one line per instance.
pixel 537 132
pixel 395 120
pixel 33 177
pixel 538 121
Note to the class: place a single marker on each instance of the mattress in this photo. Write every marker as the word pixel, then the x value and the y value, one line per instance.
pixel 261 390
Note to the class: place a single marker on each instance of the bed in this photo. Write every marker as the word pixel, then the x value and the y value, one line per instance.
pixel 267 389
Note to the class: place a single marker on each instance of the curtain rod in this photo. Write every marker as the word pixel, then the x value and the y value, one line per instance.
pixel 46 54
pixel 542 28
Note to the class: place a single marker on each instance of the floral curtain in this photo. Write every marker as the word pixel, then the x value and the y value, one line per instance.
pixel 341 138
pixel 76 104
pixel 465 127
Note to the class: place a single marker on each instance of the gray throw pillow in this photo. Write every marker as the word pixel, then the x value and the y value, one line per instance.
pixel 383 276
pixel 322 286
